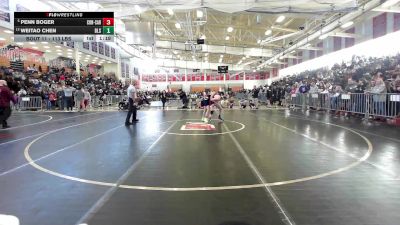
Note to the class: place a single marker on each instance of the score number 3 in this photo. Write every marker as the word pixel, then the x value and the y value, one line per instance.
pixel 108 21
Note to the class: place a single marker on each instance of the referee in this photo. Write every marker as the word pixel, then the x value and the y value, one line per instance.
pixel 132 95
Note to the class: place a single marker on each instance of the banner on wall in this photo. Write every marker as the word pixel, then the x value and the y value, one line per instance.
pixel 112 53
pixel 4 9
pixel 107 50
pixel 123 69
pixel 85 45
pixel 101 48
pixel 94 47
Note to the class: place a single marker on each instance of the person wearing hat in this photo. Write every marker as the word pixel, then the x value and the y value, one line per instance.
pixel 5 98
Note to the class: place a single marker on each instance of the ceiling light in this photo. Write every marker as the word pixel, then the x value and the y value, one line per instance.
pixel 221 56
pixel 178 56
pixel 12 38
pixel 59 53
pixel 46 46
pixel 32 43
pixel 281 57
pixel 159 33
pixel 48 50
pixel 96 58
pixel 138 8
pixel 247 56
pixel 227 38
pixel 85 60
pixel 199 13
pixel 70 50
pixel 254 71
pixel 206 54
pixel 88 56
pixel 220 61
pixel 80 53
pixel 244 58
pixel 2 39
pixel 178 25
pixel 323 36
pixel 175 52
pixel 258 41
pixel 57 46
pixel 44 42
pixel 280 19
pixel 20 43
pixel 230 29
pixel 307 45
pixel 108 62
pixel 268 32
pixel 8 31
pixel 203 36
pixel 58 50
pixel 35 47
pixel 293 52
pixel 170 12
pixel 346 25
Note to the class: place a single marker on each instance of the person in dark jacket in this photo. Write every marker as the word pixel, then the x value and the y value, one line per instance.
pixel 163 98
pixel 5 98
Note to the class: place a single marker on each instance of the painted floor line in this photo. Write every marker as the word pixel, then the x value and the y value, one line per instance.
pixel 362 131
pixel 60 150
pixel 286 216
pixel 35 135
pixel 31 124
pixel 110 192
pixel 41 122
pixel 392 173
pixel 204 188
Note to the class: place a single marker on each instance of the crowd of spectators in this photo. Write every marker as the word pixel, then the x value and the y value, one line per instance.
pixel 360 75
pixel 58 86
pixel 367 76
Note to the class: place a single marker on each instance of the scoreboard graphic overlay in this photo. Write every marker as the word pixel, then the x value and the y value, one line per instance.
pixel 64 26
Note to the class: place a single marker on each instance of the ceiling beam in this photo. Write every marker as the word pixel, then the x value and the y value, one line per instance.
pixel 390 10
pixel 345 35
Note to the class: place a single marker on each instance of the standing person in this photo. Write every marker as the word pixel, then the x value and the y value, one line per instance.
pixel 255 93
pixel 205 103
pixel 79 97
pixel 60 98
pixel 87 99
pixel 163 98
pixel 68 90
pixel 5 98
pixel 132 95
pixel 216 101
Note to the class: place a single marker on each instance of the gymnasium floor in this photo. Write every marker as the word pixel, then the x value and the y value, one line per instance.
pixel 258 167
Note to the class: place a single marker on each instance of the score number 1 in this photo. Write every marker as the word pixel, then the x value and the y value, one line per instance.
pixel 108 26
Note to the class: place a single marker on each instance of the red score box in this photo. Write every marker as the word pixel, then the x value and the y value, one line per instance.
pixel 108 21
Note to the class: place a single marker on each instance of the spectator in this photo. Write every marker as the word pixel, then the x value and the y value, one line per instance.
pixel 5 98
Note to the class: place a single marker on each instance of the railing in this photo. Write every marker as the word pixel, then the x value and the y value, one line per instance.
pixel 29 103
pixel 107 100
pixel 379 105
